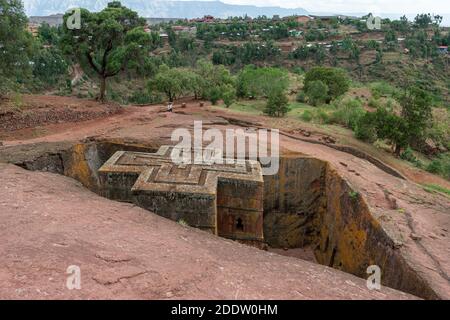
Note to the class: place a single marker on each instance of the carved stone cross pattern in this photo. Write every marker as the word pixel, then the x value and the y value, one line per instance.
pixel 225 199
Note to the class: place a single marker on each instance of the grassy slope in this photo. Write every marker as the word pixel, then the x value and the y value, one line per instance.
pixel 343 135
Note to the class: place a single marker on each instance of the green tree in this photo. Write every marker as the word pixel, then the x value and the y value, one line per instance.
pixel 393 128
pixel 228 95
pixel 48 35
pixel 256 82
pixel 49 65
pixel 16 45
pixel 214 94
pixel 366 128
pixel 108 41
pixel 390 36
pixel 317 92
pixel 416 110
pixel 423 20
pixel 390 40
pixel 221 56
pixel 214 78
pixel 277 103
pixel 402 131
pixel 169 81
pixel 184 43
pixel 401 25
pixel 196 84
pixel 336 79
pixel 301 97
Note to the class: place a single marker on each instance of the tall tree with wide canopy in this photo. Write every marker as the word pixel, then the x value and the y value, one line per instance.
pixel 336 79
pixel 16 44
pixel 108 41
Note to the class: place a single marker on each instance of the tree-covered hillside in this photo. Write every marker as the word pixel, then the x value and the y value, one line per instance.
pixel 390 86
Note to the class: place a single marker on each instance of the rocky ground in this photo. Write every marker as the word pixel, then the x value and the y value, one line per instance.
pixel 31 111
pixel 50 222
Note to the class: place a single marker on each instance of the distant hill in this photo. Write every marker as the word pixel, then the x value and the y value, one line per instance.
pixel 393 16
pixel 160 9
pixel 57 19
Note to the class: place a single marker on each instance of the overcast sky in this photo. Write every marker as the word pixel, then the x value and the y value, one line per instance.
pixel 385 6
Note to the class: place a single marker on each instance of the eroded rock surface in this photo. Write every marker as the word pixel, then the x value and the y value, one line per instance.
pixel 50 222
pixel 367 215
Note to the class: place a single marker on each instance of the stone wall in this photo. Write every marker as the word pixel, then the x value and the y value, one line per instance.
pixel 351 240
pixel 225 199
pixel 293 199
pixel 197 210
pixel 239 209
pixel 308 204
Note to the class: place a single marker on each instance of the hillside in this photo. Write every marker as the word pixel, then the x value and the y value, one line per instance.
pixel 285 157
pixel 162 9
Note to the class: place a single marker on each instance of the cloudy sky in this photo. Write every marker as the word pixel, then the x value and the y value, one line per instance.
pixel 385 6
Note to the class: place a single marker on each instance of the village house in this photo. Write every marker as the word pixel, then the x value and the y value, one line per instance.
pixel 303 19
pixel 205 19
pixel 443 49
pixel 164 37
pixel 334 17
pixel 184 29
pixel 295 33
pixel 286 47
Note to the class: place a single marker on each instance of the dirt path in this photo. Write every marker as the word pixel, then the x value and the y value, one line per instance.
pixel 154 117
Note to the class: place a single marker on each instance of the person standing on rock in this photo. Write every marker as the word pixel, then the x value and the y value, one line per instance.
pixel 170 107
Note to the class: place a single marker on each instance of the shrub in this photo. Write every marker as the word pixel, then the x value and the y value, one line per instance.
pixel 374 103
pixel 143 97
pixel 228 95
pixel 114 96
pixel 391 127
pixel 382 88
pixel 336 79
pixel 440 166
pixel 183 223
pixel 322 116
pixel 440 129
pixel 301 97
pixel 49 66
pixel 348 114
pixel 390 104
pixel 317 92
pixel 259 82
pixel 215 94
pixel 405 130
pixel 408 155
pixel 17 100
pixel 298 70
pixel 307 116
pixel 365 128
pixel 277 104
pixel 417 113
pixel 6 86
pixel 354 195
